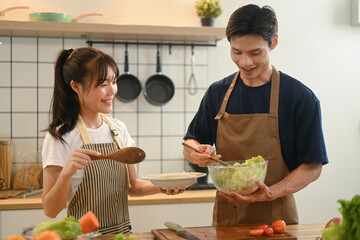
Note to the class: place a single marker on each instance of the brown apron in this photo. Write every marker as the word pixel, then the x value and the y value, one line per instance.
pixel 104 187
pixel 242 136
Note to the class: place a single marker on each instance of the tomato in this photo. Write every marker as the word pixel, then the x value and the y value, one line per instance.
pixel 263 226
pixel 268 231
pixel 279 226
pixel 14 237
pixel 257 232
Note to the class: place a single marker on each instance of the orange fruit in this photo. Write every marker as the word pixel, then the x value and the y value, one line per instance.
pixel 47 235
pixel 14 237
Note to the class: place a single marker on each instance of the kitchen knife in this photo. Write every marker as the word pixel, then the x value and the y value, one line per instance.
pixel 181 231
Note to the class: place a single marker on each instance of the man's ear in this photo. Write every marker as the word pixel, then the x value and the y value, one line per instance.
pixel 275 42
pixel 75 86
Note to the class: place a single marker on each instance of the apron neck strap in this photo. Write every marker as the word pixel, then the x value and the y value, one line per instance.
pixel 274 95
pixel 275 91
pixel 226 98
pixel 85 135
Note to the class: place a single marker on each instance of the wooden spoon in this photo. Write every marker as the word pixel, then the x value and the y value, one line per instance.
pixel 198 151
pixel 129 155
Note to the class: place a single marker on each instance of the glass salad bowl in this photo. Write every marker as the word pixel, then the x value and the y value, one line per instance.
pixel 241 177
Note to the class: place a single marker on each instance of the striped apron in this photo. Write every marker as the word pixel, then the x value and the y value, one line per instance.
pixel 104 187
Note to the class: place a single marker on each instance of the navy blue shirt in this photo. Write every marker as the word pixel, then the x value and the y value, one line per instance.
pixel 300 128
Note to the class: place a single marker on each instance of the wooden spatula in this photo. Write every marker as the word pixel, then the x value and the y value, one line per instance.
pixel 129 155
pixel 198 151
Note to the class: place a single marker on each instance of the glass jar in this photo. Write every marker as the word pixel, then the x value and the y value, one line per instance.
pixel 5 163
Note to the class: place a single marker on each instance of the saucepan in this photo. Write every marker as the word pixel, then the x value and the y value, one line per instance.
pixel 159 89
pixel 58 17
pixel 2 13
pixel 129 86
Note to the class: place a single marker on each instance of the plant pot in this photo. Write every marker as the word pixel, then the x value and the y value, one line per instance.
pixel 207 22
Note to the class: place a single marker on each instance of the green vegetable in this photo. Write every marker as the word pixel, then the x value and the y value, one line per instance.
pixel 240 176
pixel 349 227
pixel 120 236
pixel 66 228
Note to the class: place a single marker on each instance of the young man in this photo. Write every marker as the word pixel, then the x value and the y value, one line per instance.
pixel 259 111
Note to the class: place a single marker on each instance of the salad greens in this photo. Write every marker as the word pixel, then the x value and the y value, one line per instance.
pixel 349 227
pixel 240 176
pixel 66 228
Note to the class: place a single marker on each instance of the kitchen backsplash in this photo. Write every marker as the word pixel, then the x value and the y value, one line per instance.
pixel 26 85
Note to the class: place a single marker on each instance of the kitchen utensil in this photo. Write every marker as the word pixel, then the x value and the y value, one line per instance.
pixel 2 13
pixel 181 231
pixel 31 193
pixel 4 194
pixel 177 180
pixel 192 85
pixel 198 151
pixel 241 232
pixel 129 86
pixel 58 17
pixel 129 155
pixel 242 179
pixel 159 89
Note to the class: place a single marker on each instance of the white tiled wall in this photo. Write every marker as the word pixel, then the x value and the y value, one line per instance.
pixel 26 82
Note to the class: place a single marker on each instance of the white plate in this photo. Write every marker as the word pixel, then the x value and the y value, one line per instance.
pixel 174 180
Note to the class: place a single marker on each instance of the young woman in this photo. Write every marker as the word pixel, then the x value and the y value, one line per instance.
pixel 85 86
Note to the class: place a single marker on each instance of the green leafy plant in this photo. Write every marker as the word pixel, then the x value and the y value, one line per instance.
pixel 208 8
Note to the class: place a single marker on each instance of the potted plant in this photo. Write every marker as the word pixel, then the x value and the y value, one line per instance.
pixel 208 10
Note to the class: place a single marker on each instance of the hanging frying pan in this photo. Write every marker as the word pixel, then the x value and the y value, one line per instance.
pixel 58 17
pixel 129 86
pixel 159 89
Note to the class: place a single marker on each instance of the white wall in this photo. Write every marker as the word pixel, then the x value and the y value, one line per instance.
pixel 317 45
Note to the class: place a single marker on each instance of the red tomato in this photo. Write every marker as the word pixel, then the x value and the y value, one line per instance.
pixel 263 226
pixel 257 232
pixel 268 231
pixel 279 226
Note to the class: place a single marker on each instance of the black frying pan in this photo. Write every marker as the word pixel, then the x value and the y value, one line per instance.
pixel 159 89
pixel 129 86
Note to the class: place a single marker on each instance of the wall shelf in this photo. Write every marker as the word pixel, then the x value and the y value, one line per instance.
pixel 110 31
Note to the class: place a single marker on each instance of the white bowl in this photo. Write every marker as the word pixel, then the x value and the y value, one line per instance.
pixel 174 180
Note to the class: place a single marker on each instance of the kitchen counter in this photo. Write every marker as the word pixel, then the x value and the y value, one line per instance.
pixel 299 232
pixel 193 196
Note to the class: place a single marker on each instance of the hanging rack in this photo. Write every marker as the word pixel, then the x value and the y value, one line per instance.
pixel 170 44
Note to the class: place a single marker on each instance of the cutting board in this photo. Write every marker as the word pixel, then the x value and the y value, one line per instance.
pixel 4 194
pixel 235 232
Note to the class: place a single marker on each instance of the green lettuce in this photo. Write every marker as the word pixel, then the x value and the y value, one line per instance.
pixel 349 227
pixel 239 177
pixel 66 228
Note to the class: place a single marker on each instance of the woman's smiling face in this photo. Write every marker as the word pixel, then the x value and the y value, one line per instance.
pixel 251 54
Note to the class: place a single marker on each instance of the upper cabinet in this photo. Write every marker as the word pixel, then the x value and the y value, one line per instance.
pixel 111 31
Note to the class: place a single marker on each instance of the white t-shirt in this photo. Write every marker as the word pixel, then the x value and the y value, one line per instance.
pixel 57 153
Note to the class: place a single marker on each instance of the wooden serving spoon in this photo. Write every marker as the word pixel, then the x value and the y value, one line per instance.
pixel 198 151
pixel 129 155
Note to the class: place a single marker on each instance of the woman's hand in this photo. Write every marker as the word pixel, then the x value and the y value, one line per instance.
pixel 261 195
pixel 170 191
pixel 79 159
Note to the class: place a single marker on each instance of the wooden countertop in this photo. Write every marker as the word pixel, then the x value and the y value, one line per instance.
pixel 190 196
pixel 298 231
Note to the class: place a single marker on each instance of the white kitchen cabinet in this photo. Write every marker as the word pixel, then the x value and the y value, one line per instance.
pixel 13 221
pixel 143 217
pixel 146 217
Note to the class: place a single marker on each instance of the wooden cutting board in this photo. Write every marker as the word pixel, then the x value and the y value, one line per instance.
pixel 4 194
pixel 236 232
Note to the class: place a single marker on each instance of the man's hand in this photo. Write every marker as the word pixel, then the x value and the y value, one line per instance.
pixel 261 195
